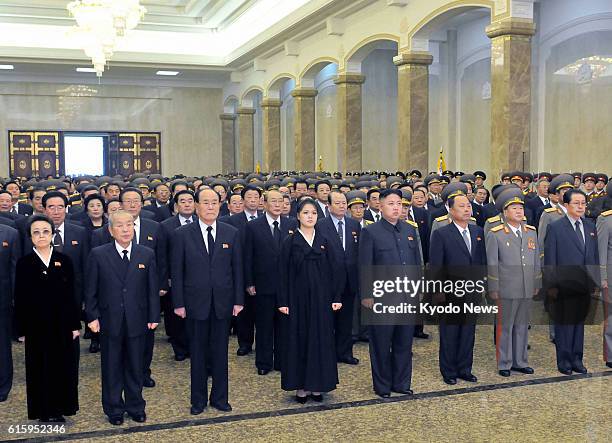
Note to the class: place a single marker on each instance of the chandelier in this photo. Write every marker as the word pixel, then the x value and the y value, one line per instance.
pixel 100 23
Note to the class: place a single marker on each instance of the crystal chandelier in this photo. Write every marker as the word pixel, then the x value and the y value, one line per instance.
pixel 100 23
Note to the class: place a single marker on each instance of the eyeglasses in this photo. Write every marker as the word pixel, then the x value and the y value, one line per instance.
pixel 43 233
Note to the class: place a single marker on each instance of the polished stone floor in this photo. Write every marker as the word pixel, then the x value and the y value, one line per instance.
pixel 543 406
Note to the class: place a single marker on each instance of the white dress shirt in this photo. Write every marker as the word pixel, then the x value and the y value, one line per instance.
pixel 120 250
pixel 60 230
pixel 250 214
pixel 182 220
pixel 204 229
pixel 271 223
pixel 137 230
pixel 573 223
pixel 336 221
pixel 467 228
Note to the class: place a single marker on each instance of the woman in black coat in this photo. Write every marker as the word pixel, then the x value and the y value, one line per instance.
pixel 95 206
pixel 48 317
pixel 308 299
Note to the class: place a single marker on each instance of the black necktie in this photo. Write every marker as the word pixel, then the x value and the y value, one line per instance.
pixel 326 211
pixel 341 233
pixel 252 217
pixel 579 234
pixel 211 242
pixel 125 262
pixel 410 217
pixel 187 221
pixel 58 242
pixel 277 233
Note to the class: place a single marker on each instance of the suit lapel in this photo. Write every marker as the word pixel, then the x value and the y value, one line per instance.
pixel 268 231
pixel 571 233
pixel 459 239
pixel 134 259
pixel 196 235
pixel 218 241
pixel 114 261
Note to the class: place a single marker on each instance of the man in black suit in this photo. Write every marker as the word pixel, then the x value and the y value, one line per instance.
pixel 262 248
pixel 10 251
pixel 300 189
pixel 162 204
pixel 571 259
pixel 207 289
pixel 18 208
pixel 372 213
pixel 322 189
pixel 245 322
pixel 122 308
pixel 343 233
pixel 541 201
pixel 457 252
pixel 175 325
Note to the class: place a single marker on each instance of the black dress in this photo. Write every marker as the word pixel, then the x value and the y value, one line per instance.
pixel 47 313
pixel 308 352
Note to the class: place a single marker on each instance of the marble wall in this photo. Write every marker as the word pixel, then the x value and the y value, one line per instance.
pixel 188 118
pixel 326 118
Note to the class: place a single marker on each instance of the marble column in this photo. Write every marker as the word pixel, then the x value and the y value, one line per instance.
pixel 510 93
pixel 228 142
pixel 271 133
pixel 304 133
pixel 413 109
pixel 246 139
pixel 349 121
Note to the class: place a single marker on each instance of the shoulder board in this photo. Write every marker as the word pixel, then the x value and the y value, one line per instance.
pixel 497 228
pixel 413 224
pixel 493 219
pixel 441 218
pixel 524 218
pixel 607 213
pixel 550 210
pixel 369 222
pixel 473 218
pixel 530 227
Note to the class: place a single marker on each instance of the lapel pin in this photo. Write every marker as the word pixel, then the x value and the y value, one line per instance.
pixel 74 242
pixel 150 237
pixel 141 266
pixel 5 244
pixel 225 245
pixel 58 264
pixel 410 238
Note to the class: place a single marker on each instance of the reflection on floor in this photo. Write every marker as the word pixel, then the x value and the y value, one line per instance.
pixel 543 406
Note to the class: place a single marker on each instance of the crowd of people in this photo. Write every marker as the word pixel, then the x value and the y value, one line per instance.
pixel 277 260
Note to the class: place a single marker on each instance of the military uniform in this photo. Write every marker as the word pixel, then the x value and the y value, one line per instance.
pixel 604 239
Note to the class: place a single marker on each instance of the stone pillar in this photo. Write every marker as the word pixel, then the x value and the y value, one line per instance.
pixel 349 121
pixel 271 133
pixel 246 140
pixel 228 142
pixel 510 93
pixel 304 122
pixel 413 109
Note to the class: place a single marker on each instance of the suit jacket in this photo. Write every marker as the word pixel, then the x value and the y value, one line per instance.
pixel 478 214
pixel 262 254
pixel 346 259
pixel 421 217
pixel 150 215
pixel 604 244
pixel 24 209
pixel 169 226
pixel 10 251
pixel 238 221
pixel 160 213
pixel 320 212
pixel 198 282
pixel 369 215
pixel 110 295
pixel 8 222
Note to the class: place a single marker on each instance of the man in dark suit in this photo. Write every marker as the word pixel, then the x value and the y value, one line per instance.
pixel 146 233
pixel 245 322
pixel 301 188
pixel 343 233
pixel 457 252
pixel 322 189
pixel 122 308
pixel 372 213
pixel 162 204
pixel 571 259
pixel 263 237
pixel 10 250
pixel 175 325
pixel 390 242
pixel 207 289
pixel 18 208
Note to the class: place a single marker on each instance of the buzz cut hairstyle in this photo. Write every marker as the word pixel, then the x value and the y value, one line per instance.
pixel 197 194
pixel 387 192
pixel 118 214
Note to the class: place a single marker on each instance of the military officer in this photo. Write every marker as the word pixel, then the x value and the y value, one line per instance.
pixel 604 239
pixel 447 219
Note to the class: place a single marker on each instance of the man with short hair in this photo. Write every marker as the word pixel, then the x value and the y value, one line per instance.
pixel 322 189
pixel 15 191
pixel 373 212
pixel 235 204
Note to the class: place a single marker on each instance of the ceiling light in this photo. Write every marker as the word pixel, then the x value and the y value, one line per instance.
pixel 85 70
pixel 7 67
pixel 168 73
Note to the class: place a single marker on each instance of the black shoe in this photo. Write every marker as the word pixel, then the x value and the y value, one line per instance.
pixel 222 407
pixel 349 360
pixel 469 377
pixel 422 335
pixel 197 410
pixel 3 398
pixel 180 357
pixel 504 372
pixel 58 419
pixel 148 382
pixel 243 351
pixel 579 369
pixel 450 380
pixel 87 334
pixel 262 371
pixel 385 395
pixel 608 364
pixel 525 370
pixel 116 420
pixel 403 391
pixel 94 347
pixel 565 371
pixel 316 397
pixel 140 417
pixel 301 400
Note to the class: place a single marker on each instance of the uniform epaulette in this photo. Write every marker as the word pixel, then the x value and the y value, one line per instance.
pixel 497 228
pixel 550 210
pixel 412 223
pixel 368 222
pixel 442 218
pixel 493 219
pixel 473 218
pixel 530 227
pixel 524 218
pixel 607 213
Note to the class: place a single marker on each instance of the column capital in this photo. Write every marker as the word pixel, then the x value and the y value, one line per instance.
pixel 227 116
pixel 244 110
pixel 304 92
pixel 356 79
pixel 271 103
pixel 413 58
pixel 511 26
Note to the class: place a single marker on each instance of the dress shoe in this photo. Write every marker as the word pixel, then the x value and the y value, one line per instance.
pixel 140 417
pixel 148 382
pixel 262 371
pixel 349 360
pixel 469 377
pixel 525 370
pixel 504 372
pixel 403 391
pixel 608 364
pixel 450 380
pixel 3 398
pixel 94 347
pixel 579 369
pixel 385 395
pixel 116 420
pixel 422 335
pixel 243 351
pixel 222 407
pixel 58 419
pixel 316 397
pixel 301 400
pixel 180 357
pixel 565 371
pixel 87 334
pixel 196 410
